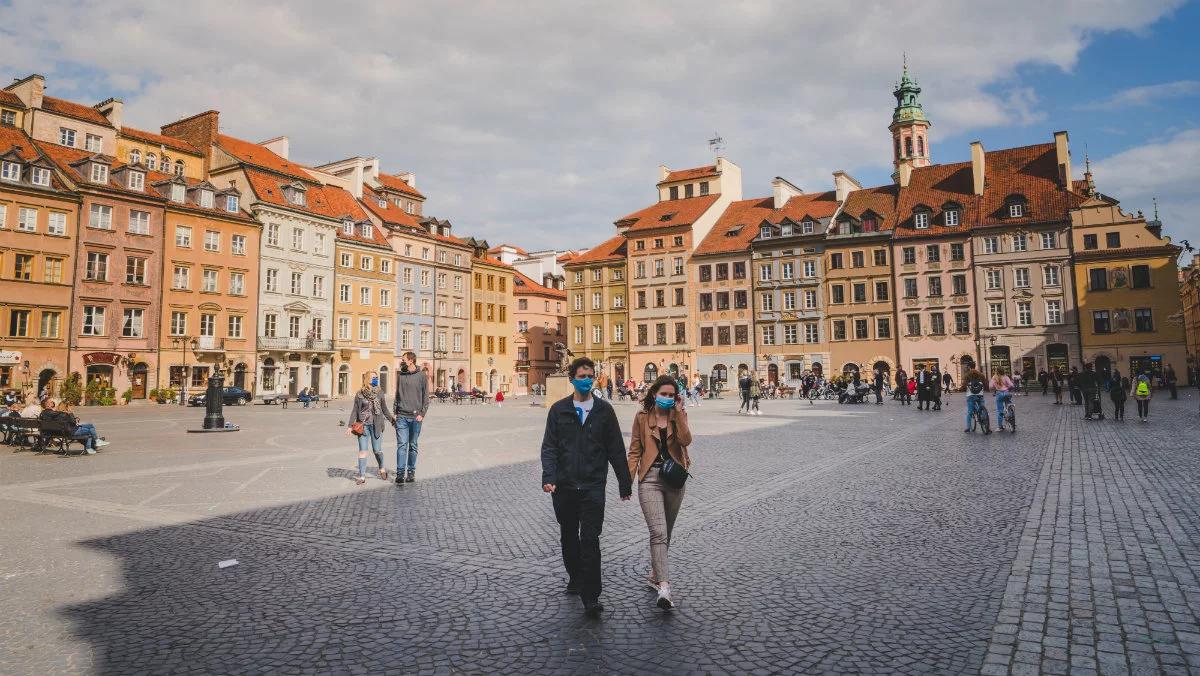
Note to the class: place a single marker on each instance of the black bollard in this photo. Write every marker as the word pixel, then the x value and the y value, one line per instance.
pixel 214 401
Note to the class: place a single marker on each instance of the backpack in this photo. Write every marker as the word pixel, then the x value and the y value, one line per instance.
pixel 975 386
pixel 1143 389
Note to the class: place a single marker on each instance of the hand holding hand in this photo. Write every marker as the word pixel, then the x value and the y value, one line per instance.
pixel 548 488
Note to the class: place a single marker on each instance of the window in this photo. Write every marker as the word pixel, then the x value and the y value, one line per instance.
pixel 272 282
pixel 1143 319
pixel 740 300
pixel 343 328
pixel 660 298
pixel 270 325
pixel 739 270
pixel 212 240
pixel 231 203
pixel 297 284
pixel 995 315
pixel 319 244
pixel 619 301
pixel 678 265
pixel 597 301
pixel 1054 313
pixel 364 295
pixel 764 272
pixel 208 281
pixel 1050 275
pixel 957 251
pixel 837 294
pixel 101 217
pixel 1098 278
pixel 856 259
pixel 958 285
pixel 293 326
pixel 881 291
pixel 991 245
pixel 237 283
pixel 139 222
pixel 66 137
pixel 768 302
pixel 1112 240
pixel 909 255
pixel 10 171
pixel 135 270
pixel 131 327
pixel 27 219
pixel 18 323
pixel 810 299
pixel 913 324
pixel 809 268
pixel 883 327
pixel 1024 313
pixel 993 279
pixel 39 176
pixel 811 332
pixel 910 287
pixel 8 118
pixel 722 270
pixel 659 268
pixel 93 320
pixel 1020 243
pixel 182 278
pixel 1049 240
pixel 962 322
pixel 952 217
pixel 53 271
pixel 789 300
pixel 786 270
pixel 1141 276
pixel 768 335
pixel 597 334
pixel 385 300
pixel 790 334
pixel 385 266
pixel 660 334
pixel 806 227
pixel 23 267
pixel 706 335
pixel 642 337
pixel 1016 210
pixel 921 220
pixel 273 234
pixel 935 286
pixel 96 269
pixel 1021 278
pixel 835 261
pixel 208 324
pixel 839 329
pixel 364 329
pixel 99 173
pixel 298 239
pixel 937 324
pixel 318 287
pixel 933 253
pixel 1101 322
pixel 234 328
pixel 1091 242
pixel 677 240
pixel 183 236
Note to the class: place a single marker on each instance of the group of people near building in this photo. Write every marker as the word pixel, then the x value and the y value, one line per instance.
pixel 47 410
pixel 370 412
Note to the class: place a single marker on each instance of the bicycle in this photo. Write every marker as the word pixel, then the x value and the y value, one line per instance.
pixel 980 419
pixel 1010 416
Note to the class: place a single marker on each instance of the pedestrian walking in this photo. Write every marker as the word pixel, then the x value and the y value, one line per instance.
pixel 935 388
pixel 1089 387
pixel 902 391
pixel 1119 394
pixel 924 388
pixel 1073 386
pixel 877 382
pixel 660 436
pixel 756 389
pixel 411 404
pixel 947 383
pixel 697 388
pixel 744 382
pixel 582 438
pixel 1044 381
pixel 1169 376
pixel 1142 393
pixel 367 414
pixel 1056 380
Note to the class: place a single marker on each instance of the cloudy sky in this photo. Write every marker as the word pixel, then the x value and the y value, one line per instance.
pixel 542 123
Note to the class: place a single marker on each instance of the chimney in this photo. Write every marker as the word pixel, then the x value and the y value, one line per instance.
pixel 114 110
pixel 904 172
pixel 977 175
pixel 844 184
pixel 199 130
pixel 663 171
pixel 30 90
pixel 408 177
pixel 277 145
pixel 1062 154
pixel 782 190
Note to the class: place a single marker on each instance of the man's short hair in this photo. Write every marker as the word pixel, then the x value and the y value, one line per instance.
pixel 411 356
pixel 580 362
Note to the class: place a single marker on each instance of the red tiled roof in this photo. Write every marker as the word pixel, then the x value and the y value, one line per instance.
pixel 65 157
pixel 14 136
pixel 936 187
pixel 880 201
pixel 1030 171
pixel 159 139
pixel 192 203
pixel 10 99
pixel 568 256
pixel 523 285
pixel 737 226
pixel 815 205
pixel 492 261
pixel 75 110
pixel 687 174
pixel 389 213
pixel 258 156
pixel 610 249
pixel 395 183
pixel 518 250
pixel 321 200
pixel 668 213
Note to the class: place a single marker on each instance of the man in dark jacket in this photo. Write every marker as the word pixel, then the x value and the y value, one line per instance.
pixel 877 385
pixel 924 387
pixel 582 438
pixel 411 404
pixel 1089 384
pixel 902 387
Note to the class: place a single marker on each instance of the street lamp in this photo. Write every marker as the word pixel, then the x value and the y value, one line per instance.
pixel 183 343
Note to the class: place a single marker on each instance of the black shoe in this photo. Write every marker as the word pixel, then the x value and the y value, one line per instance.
pixel 592 607
pixel 399 478
pixel 573 588
pixel 410 477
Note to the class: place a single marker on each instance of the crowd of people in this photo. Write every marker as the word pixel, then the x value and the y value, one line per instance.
pixel 55 412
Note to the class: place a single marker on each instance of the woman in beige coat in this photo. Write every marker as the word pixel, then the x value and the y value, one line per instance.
pixel 660 430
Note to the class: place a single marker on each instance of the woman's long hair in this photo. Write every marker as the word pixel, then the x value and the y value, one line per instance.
pixel 652 391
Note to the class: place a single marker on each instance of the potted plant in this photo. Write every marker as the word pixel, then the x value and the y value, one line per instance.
pixel 127 395
pixel 71 390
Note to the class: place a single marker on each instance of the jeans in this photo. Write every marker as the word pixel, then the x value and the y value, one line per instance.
pixel 973 401
pixel 90 429
pixel 660 505
pixel 368 441
pixel 1002 398
pixel 580 515
pixel 407 431
pixel 1143 408
pixel 745 401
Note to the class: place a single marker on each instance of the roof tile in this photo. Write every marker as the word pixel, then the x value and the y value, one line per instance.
pixel 396 183
pixel 159 139
pixel 523 286
pixel 668 213
pixel 687 174
pixel 75 110
pixel 610 249
pixel 260 157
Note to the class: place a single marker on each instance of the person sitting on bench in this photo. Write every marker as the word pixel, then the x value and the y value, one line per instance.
pixel 72 426
pixel 304 397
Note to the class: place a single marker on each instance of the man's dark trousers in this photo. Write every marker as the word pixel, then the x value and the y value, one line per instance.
pixel 580 515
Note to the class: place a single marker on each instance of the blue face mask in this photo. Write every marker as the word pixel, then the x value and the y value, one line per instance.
pixel 374 382
pixel 665 402
pixel 582 385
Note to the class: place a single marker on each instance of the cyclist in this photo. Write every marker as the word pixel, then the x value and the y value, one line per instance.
pixel 975 387
pixel 1001 384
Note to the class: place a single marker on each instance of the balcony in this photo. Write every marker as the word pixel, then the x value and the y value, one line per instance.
pixel 295 344
pixel 210 344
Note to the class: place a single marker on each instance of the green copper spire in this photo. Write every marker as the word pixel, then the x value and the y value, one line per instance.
pixel 908 105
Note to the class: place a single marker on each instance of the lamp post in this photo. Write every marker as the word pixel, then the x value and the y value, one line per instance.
pixel 183 343
pixel 438 353
pixel 214 401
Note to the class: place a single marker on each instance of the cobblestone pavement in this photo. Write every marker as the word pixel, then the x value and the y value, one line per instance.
pixel 812 539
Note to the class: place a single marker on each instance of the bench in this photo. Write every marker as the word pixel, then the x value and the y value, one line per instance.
pixel 322 401
pixel 58 435
pixel 21 431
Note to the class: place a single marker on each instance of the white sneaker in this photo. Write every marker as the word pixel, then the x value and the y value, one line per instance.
pixel 100 443
pixel 664 596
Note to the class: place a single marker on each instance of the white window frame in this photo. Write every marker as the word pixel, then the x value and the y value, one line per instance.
pixel 139 222
pixel 183 236
pixel 100 217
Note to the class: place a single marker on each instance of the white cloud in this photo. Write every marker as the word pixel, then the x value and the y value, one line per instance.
pixel 1168 170
pixel 1146 95
pixel 544 121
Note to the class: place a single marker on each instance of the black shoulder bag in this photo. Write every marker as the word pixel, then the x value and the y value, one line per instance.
pixel 674 474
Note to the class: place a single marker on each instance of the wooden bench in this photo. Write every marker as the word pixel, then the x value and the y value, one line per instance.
pixel 58 435
pixel 21 431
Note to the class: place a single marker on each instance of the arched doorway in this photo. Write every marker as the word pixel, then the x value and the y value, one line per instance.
pixel 883 367
pixel 383 378
pixel 773 374
pixel 650 374
pixel 46 382
pixel 818 369
pixel 138 376
pixel 239 376
pixel 269 374
pixel 1001 358
pixel 619 372
pixel 850 369
pixel 1058 357
pixel 719 374
pixel 461 379
pixel 493 381
pixel 343 380
pixel 673 369
pixel 314 380
pixel 1104 367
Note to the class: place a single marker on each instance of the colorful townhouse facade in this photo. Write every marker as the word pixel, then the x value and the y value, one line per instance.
pixel 540 326
pixel 364 306
pixel 452 271
pixel 598 307
pixel 493 359
pixel 1189 297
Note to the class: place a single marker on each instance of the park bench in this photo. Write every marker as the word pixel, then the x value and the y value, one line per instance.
pixel 60 436
pixel 21 431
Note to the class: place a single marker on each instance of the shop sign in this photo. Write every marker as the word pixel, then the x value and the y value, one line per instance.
pixel 10 357
pixel 109 358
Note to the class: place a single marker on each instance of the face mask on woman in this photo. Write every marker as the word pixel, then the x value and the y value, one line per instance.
pixel 665 402
pixel 374 382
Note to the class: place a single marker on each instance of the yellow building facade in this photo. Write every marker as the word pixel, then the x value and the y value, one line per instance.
pixel 493 360
pixel 364 307
pixel 597 307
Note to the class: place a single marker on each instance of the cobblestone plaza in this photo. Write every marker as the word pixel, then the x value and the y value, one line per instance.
pixel 813 538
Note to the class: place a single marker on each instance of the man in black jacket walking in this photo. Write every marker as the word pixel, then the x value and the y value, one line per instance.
pixel 582 438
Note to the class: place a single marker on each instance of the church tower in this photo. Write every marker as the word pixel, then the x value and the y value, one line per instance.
pixel 910 129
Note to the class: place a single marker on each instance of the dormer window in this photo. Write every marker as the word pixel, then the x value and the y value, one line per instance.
pixel 135 156
pixel 294 194
pixel 764 232
pixel 151 161
pixel 365 230
pixel 382 203
pixel 10 171
pixel 99 173
pixel 8 118
pixel 348 227
pixel 231 203
pixel 166 164
pixel 179 167
pixel 1016 210
pixel 785 230
pixel 206 199
pixel 137 180
pixel 40 176
pixel 807 227
pixel 177 193
pixel 397 201
pixel 921 220
pixel 870 224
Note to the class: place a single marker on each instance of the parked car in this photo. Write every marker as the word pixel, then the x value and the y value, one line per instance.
pixel 231 396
